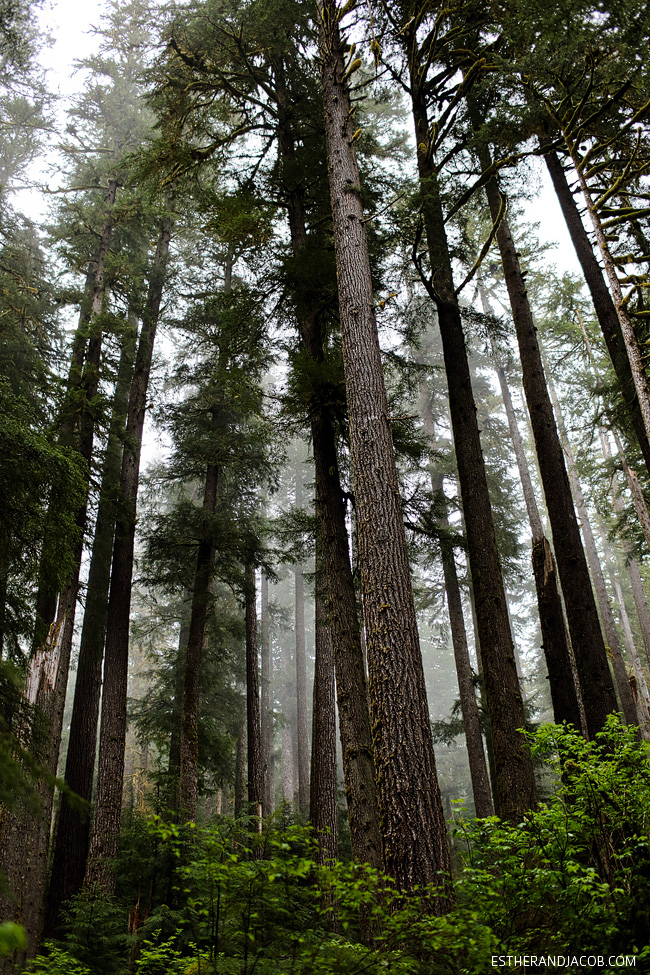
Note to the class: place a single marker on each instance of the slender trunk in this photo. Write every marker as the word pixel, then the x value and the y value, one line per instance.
pixel 266 711
pixel 601 298
pixel 471 721
pixel 108 803
pixel 557 652
pixel 240 764
pixel 642 698
pixel 513 781
pixel 287 772
pixel 323 803
pixel 638 498
pixel 83 377
pixel 582 615
pixel 73 824
pixel 411 815
pixel 301 677
pixel 640 604
pixel 351 686
pixel 632 347
pixel 174 763
pixel 189 736
pixel 618 665
pixel 25 833
pixel 254 735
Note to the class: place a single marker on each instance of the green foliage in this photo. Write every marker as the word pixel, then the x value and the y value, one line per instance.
pixel 12 937
pixel 56 961
pixel 574 874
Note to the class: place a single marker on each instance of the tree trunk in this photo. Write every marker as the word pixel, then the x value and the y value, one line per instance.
pixel 351 685
pixel 86 345
pixel 189 738
pixel 582 616
pixel 266 710
pixel 555 643
pixel 513 781
pixel 323 802
pixel 601 298
pixel 287 771
pixel 240 764
pixel 411 815
pixel 618 665
pixel 471 721
pixel 73 825
pixel 25 837
pixel 255 769
pixel 108 803
pixel 640 604
pixel 634 353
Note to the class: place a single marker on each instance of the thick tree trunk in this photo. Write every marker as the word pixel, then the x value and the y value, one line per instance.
pixel 411 815
pixel 108 803
pixel 640 604
pixel 555 643
pixel 351 685
pixel 266 710
pixel 73 825
pixel 471 721
pixel 582 615
pixel 609 625
pixel 323 802
pixel 601 298
pixel 513 782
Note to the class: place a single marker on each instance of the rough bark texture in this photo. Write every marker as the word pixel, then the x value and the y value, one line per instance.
pixel 189 738
pixel 351 686
pixel 601 298
pixel 471 721
pixel 618 665
pixel 323 803
pixel 240 764
pixel 513 782
pixel 73 826
pixel 301 677
pixel 411 816
pixel 25 836
pixel 266 711
pixel 582 615
pixel 301 695
pixel 254 734
pixel 108 802
pixel 557 652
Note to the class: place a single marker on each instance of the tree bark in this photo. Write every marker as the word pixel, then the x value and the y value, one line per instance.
pixel 189 736
pixel 618 665
pixel 266 710
pixel 108 803
pixel 582 615
pixel 24 844
pixel 411 814
pixel 73 826
pixel 471 721
pixel 323 802
pixel 351 685
pixel 254 735
pixel 601 298
pixel 513 782
pixel 555 643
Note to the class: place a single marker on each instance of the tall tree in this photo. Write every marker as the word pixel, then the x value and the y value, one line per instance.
pixel 412 819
